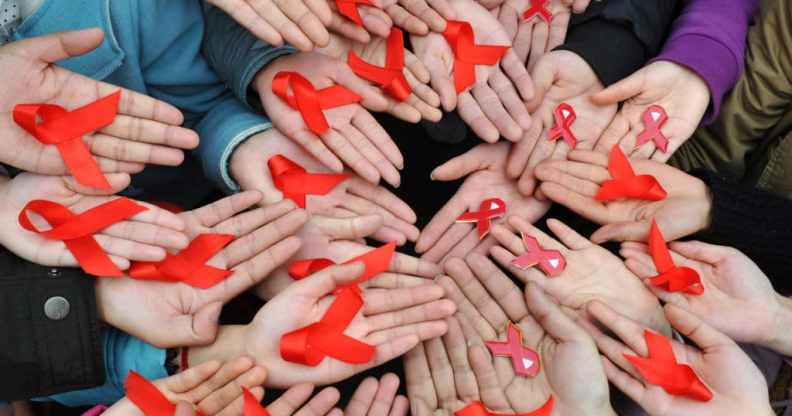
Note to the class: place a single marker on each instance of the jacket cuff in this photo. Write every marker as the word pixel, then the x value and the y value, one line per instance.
pixel 259 56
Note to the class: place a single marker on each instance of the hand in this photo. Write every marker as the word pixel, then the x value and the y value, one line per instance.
pixel 351 126
pixel 297 401
pixel 575 182
pixel 420 16
pixel 375 397
pixel 717 362
pixel 175 314
pixel 375 22
pixel 486 164
pixel 145 131
pixel 681 92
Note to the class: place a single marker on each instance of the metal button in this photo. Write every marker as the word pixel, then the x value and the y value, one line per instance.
pixel 56 308
pixel 53 272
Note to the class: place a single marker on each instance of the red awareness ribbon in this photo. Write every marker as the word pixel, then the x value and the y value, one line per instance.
pixel 252 407
pixel 477 409
pixel 625 184
pixel 65 130
pixel 349 8
pixel 671 277
pixel 564 116
pixel 524 359
pixel 654 118
pixel 390 77
pixel 539 7
pixel 552 262
pixel 189 265
pixel 488 210
pixel 376 261
pixel 662 369
pixel 145 395
pixel 295 182
pixel 76 231
pixel 309 101
pixel 467 54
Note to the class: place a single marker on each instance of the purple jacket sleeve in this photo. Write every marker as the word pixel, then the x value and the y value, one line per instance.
pixel 709 37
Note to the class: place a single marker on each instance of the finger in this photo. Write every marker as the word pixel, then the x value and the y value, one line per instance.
pixel 522 40
pixel 441 373
pixel 216 380
pixel 386 170
pixel 412 316
pixel 376 21
pixel 538 43
pixel 123 150
pixel 440 223
pixel 582 205
pixel 462 165
pixel 151 131
pixel 553 319
pixel 305 19
pixel 192 378
pixel 250 19
pixel 369 126
pixel 494 109
pixel 621 91
pixel 466 309
pixel 567 235
pixel 199 328
pixel 441 82
pixel 380 301
pixel 324 282
pixel 362 398
pixel 408 21
pixel 633 388
pixel 500 287
pixel 348 29
pixel 401 406
pixel 489 387
pixel 348 228
pixel 450 239
pixel 707 253
pixel 213 214
pixel 691 326
pixel 622 231
pixel 342 146
pixel 626 329
pixel 321 404
pixel 524 227
pixel 416 69
pixel 514 105
pixel 226 395
pixel 383 198
pixel 456 347
pixel 291 400
pixel 428 15
pixel 612 349
pixel 286 28
pixel 518 74
pixel 130 250
pixel 59 46
pixel 521 153
pixel 183 409
pixel 386 394
pixel 558 31
pixel 418 380
pixel 618 128
pixel 425 96
pixel 475 293
pixel 472 113
pixel 363 206
pixel 257 240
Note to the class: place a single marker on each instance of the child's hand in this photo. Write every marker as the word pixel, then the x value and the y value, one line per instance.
pixel 375 397
pixel 420 16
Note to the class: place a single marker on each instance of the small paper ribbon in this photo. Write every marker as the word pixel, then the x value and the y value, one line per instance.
pixel 671 277
pixel 662 369
pixel 76 231
pixel 467 54
pixel 376 261
pixel 295 182
pixel 552 262
pixel 145 395
pixel 349 8
pixel 625 184
pixel 524 360
pixel 654 118
pixel 65 130
pixel 390 77
pixel 476 408
pixel 309 101
pixel 189 265
pixel 564 116
pixel 252 407
pixel 539 7
pixel 488 210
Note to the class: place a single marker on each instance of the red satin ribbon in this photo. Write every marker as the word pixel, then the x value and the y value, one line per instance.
pixel 309 101
pixel 189 265
pixel 145 395
pixel 467 54
pixel 252 406
pixel 76 231
pixel 349 8
pixel 390 77
pixel 625 184
pixel 65 129
pixel 552 262
pixel 477 409
pixel 488 210
pixel 295 182
pixel 524 360
pixel 376 261
pixel 662 369
pixel 671 277
pixel 539 7
pixel 654 118
pixel 564 116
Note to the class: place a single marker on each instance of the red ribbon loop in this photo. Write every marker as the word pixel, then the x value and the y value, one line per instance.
pixel 295 182
pixel 478 409
pixel 145 395
pixel 309 101
pixel 376 261
pixel 488 210
pixel 390 77
pixel 189 265
pixel 552 262
pixel 539 7
pixel 564 116
pixel 252 407
pixel 662 369
pixel 65 130
pixel 625 184
pixel 349 8
pixel 654 118
pixel 76 231
pixel 524 360
pixel 467 54
pixel 671 277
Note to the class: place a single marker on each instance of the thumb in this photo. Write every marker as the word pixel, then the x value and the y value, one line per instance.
pixel 58 46
pixel 204 325
pixel 543 76
pixel 118 182
pixel 703 252
pixel 353 228
pixel 184 409
pixel 622 231
pixel 620 91
pixel 325 282
pixel 461 166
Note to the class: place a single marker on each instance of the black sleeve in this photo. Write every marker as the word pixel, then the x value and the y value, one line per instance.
pixel 50 330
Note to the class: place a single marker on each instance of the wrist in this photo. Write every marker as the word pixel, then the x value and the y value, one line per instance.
pixel 229 344
pixel 780 339
pixel 704 209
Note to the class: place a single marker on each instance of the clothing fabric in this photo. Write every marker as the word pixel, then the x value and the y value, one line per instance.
pixel 9 19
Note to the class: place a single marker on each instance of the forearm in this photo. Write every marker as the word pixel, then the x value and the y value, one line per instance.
pixel 781 339
pixel 229 344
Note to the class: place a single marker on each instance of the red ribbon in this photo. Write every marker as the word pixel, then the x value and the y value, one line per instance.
pixel 477 409
pixel 564 117
pixel 309 101
pixel 349 8
pixel 148 398
pixel 391 76
pixel 539 7
pixel 654 118
pixel 65 129
pixel 252 406
pixel 76 231
pixel 295 182
pixel 625 184
pixel 467 54
pixel 524 360
pixel 552 262
pixel 189 265
pixel 662 369
pixel 488 210
pixel 671 277
pixel 376 261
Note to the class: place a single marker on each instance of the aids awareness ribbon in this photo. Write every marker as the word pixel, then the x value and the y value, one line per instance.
pixel 309 101
pixel 654 118
pixel 376 261
pixel 524 360
pixel 477 409
pixel 145 395
pixel 391 76
pixel 65 130
pixel 564 116
pixel 539 7
pixel 662 369
pixel 295 182
pixel 252 407
pixel 467 54
pixel 488 210
pixel 76 231
pixel 625 184
pixel 552 262
pixel 189 265
pixel 349 8
pixel 671 277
